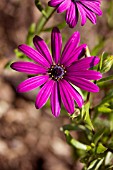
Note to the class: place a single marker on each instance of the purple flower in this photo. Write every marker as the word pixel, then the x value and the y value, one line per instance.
pixel 57 73
pixel 86 9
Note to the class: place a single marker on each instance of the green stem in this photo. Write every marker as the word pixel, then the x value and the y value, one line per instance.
pixel 43 20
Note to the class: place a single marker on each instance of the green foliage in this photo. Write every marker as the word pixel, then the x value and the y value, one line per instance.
pixel 86 117
pixel 107 63
pixel 74 142
pixel 98 47
pixel 40 7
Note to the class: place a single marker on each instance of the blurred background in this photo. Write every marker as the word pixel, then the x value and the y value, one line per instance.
pixel 31 139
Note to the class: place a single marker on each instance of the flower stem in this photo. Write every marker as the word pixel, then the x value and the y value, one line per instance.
pixel 44 19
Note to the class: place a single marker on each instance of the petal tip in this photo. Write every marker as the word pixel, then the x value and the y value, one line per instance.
pixel 56 115
pixel 55 29
pixel 99 75
pixel 12 65
pixel 18 90
pixel 36 105
pixel 96 90
pixel 20 46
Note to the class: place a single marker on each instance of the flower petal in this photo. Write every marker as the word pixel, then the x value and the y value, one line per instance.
pixel 83 64
pixel 84 84
pixel 77 54
pixel 87 74
pixel 28 67
pixel 92 6
pixel 77 97
pixel 55 100
pixel 56 44
pixel 34 55
pixel 66 97
pixel 54 3
pixel 31 83
pixel 82 13
pixel 44 94
pixel 72 15
pixel 90 15
pixel 42 48
pixel 70 46
pixel 64 6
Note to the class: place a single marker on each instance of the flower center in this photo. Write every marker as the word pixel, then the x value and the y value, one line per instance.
pixel 57 72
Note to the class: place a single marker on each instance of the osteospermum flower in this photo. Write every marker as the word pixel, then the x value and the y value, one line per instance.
pixel 56 74
pixel 86 8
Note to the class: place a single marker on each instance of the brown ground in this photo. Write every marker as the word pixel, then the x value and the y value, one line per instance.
pixel 30 139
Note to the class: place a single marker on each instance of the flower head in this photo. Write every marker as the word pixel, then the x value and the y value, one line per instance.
pixel 85 8
pixel 57 72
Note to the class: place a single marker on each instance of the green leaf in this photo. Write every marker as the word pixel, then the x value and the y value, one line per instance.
pixel 86 117
pixel 104 109
pixel 108 158
pixel 107 63
pixel 73 142
pixel 97 136
pixel 98 47
pixel 109 78
pixel 99 163
pixel 7 65
pixel 100 63
pixel 94 165
pixel 100 148
pixel 111 121
pixel 40 7
pixel 71 127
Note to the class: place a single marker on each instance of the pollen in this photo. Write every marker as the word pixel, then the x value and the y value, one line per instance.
pixel 57 72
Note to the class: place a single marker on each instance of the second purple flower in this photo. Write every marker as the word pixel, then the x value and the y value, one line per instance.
pixel 57 72
pixel 85 8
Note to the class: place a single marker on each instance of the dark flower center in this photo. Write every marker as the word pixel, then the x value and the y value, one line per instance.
pixel 57 72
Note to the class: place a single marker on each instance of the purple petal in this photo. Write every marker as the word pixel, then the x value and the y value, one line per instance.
pixel 82 13
pixel 44 94
pixel 70 46
pixel 84 84
pixel 42 48
pixel 34 55
pixel 90 15
pixel 83 64
pixel 77 97
pixel 87 74
pixel 63 6
pixel 54 3
pixel 93 7
pixel 31 83
pixel 55 100
pixel 72 15
pixel 75 55
pixel 28 67
pixel 66 97
pixel 56 44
